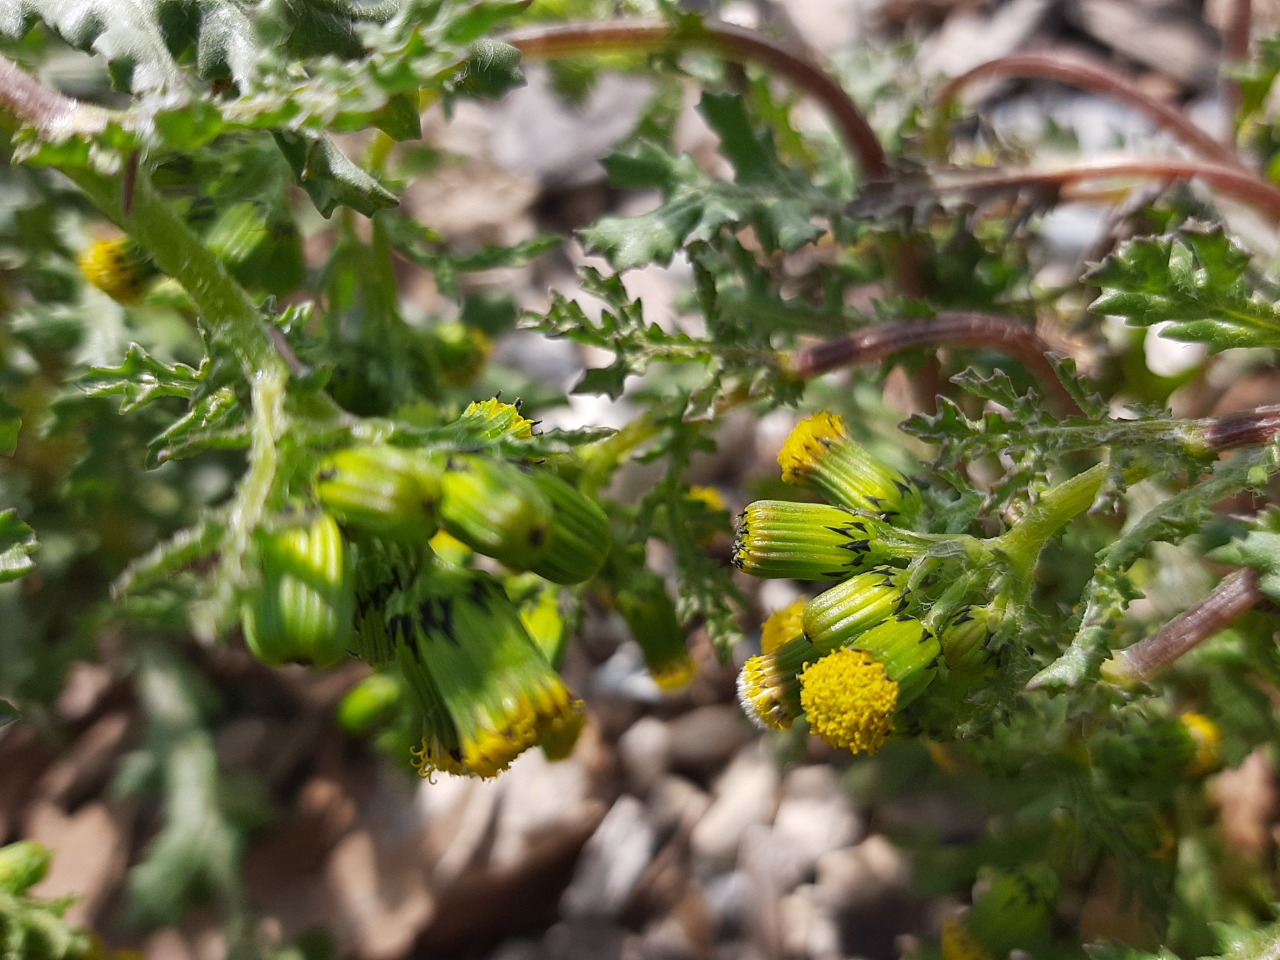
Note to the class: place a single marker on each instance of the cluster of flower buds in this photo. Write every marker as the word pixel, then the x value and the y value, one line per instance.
pixel 377 566
pixel 852 659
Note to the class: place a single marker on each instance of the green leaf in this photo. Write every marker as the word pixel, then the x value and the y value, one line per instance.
pixel 491 72
pixel 141 379
pixel 142 40
pixel 1196 282
pixel 329 178
pixel 8 713
pixel 17 543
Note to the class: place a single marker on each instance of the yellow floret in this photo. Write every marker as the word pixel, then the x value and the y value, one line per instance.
pixel 708 495
pixel 808 443
pixel 849 700
pixel 782 625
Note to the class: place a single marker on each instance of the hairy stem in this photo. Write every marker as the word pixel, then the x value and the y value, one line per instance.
pixel 1092 74
pixel 724 40
pixel 1021 544
pixel 957 329
pixel 1233 597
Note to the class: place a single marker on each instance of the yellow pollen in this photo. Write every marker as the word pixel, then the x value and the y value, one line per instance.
pixel 849 700
pixel 808 445
pixel 782 625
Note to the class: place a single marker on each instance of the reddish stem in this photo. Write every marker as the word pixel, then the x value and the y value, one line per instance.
pixel 1231 181
pixel 1236 595
pixel 1090 73
pixel 731 43
pixel 1246 428
pixel 969 330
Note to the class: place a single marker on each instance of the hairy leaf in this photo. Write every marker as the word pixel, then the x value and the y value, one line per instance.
pixel 1196 282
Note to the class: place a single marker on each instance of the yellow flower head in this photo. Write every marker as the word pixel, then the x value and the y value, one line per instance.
pixel 493 419
pixel 1207 737
pixel 820 454
pixel 712 497
pixel 782 625
pixel 674 674
pixel 849 700
pixel 117 268
pixel 763 694
pixel 485 691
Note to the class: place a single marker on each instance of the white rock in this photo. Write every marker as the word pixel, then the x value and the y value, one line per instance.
pixel 855 877
pixel 644 751
pixel 808 929
pixel 676 804
pixel 815 816
pixel 745 794
pixel 704 739
pixel 612 863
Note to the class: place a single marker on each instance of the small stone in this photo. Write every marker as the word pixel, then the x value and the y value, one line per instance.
pixel 807 927
pixel 815 816
pixel 519 949
pixel 862 875
pixel 612 863
pixel 703 740
pixel 539 804
pixel 677 804
pixel 591 940
pixel 745 794
pixel 644 752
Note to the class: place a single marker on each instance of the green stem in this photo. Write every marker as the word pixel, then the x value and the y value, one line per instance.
pixel 1021 544
pixel 227 314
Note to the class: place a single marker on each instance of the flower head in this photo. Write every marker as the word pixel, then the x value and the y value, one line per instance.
pixel 849 700
pixel 782 625
pixel 487 693
pixel 821 454
pixel 492 419
pixel 806 541
pixel 117 267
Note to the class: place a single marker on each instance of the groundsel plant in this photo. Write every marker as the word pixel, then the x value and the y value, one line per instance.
pixel 225 422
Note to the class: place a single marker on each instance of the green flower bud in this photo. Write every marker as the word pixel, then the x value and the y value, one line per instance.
pixel 580 537
pixel 461 351
pixel 485 690
pixel 302 611
pixel 835 616
pixel 651 617
pixel 966 640
pixel 382 490
pixel 806 541
pixel 1157 748
pixel 820 454
pixel 496 509
pixel 22 866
